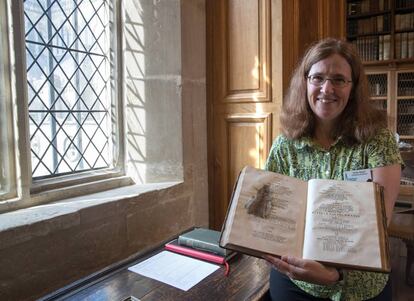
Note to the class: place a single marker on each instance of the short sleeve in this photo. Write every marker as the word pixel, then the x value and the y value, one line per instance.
pixel 382 150
pixel 275 161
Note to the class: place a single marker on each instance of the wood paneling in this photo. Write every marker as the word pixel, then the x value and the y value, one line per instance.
pixel 248 51
pixel 253 47
pixel 241 99
pixel 308 28
pixel 248 138
pixel 305 22
pixel 243 50
pixel 332 18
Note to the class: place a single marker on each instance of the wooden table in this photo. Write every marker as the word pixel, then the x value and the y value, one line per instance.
pixel 248 280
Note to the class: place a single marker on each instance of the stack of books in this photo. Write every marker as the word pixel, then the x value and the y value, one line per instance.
pixel 202 244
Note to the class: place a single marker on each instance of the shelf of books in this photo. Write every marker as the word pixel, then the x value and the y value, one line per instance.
pixel 379 82
pixel 405 105
pixel 378 88
pixel 392 91
pixel 381 30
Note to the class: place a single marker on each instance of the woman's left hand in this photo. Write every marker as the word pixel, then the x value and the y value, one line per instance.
pixel 305 270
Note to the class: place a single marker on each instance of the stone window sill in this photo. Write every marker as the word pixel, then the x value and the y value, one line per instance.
pixel 21 225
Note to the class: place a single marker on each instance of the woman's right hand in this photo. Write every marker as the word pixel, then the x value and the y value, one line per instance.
pixel 306 270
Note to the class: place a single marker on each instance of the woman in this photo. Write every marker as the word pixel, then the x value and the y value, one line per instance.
pixel 328 128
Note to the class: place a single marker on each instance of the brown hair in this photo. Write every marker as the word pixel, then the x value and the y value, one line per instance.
pixel 357 123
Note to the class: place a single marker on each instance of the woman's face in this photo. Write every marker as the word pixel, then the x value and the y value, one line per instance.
pixel 328 98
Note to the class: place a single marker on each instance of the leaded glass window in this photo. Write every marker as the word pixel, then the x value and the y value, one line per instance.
pixel 70 72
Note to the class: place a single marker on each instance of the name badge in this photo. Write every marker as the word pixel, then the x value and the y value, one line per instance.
pixel 362 175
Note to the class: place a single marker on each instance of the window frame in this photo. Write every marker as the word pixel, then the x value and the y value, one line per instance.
pixel 31 192
pixel 7 106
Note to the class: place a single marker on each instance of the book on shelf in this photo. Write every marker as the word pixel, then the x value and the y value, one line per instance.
pixel 381 5
pixel 366 6
pixel 353 8
pixel 387 22
pixel 404 21
pixel 175 247
pixel 381 47
pixel 338 223
pixel 397 46
pixel 203 239
pixel 397 20
pixel 380 23
pixel 386 46
pixel 404 45
pixel 411 44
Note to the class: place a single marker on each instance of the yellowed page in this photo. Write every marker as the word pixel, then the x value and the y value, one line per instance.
pixel 274 225
pixel 341 223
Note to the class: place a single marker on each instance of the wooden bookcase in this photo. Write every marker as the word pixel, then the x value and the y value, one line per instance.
pixel 392 90
pixel 383 33
pixel 381 30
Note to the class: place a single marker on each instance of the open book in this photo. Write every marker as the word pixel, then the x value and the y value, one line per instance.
pixel 338 223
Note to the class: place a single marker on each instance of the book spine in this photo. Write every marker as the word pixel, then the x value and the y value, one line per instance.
pixel 201 245
pixel 397 46
pixel 411 45
pixel 195 253
pixel 386 47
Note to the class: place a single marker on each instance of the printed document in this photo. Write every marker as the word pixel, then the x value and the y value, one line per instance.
pixel 176 270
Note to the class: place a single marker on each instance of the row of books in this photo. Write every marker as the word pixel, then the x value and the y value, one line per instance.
pixel 366 6
pixel 404 3
pixel 406 129
pixel 202 244
pixel 373 48
pixel 378 89
pixel 405 115
pixel 406 90
pixel 375 24
pixel 404 45
pixel 404 21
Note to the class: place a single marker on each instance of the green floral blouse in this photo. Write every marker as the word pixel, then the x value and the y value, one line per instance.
pixel 306 160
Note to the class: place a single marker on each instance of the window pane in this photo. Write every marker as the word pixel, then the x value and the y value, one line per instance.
pixel 68 55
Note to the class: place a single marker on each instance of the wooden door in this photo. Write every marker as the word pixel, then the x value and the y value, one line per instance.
pixel 253 46
pixel 242 106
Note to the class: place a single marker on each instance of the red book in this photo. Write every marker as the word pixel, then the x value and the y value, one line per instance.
pixel 210 257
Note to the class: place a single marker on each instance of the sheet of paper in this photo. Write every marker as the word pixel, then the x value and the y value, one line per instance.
pixel 177 270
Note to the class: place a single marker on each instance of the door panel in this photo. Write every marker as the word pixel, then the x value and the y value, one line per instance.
pixel 243 49
pixel 247 51
pixel 247 139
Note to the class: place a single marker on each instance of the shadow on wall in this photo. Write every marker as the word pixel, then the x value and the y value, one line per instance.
pixel 152 52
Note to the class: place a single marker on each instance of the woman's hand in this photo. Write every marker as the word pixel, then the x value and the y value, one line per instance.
pixel 305 270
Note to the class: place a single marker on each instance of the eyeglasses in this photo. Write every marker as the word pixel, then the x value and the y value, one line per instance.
pixel 319 80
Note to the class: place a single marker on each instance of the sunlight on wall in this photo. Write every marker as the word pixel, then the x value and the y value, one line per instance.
pixel 135 90
pixel 153 90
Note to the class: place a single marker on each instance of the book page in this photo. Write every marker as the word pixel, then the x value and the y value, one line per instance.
pixel 267 213
pixel 341 223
